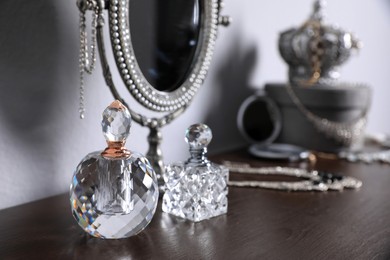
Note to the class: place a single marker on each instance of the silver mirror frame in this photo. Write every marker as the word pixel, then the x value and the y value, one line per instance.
pixel 131 73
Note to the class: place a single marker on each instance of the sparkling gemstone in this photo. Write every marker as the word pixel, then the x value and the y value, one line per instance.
pixel 116 123
pixel 113 198
pixel 196 192
pixel 198 136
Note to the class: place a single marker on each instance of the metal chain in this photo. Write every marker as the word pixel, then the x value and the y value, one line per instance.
pixel 87 57
pixel 381 154
pixel 316 52
pixel 343 133
pixel 316 47
pixel 312 180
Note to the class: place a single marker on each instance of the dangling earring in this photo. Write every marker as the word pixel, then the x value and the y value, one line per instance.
pixel 87 55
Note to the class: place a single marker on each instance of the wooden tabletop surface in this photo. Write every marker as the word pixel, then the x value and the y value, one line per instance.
pixel 260 224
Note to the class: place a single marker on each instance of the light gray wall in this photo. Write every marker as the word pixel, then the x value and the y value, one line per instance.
pixel 41 137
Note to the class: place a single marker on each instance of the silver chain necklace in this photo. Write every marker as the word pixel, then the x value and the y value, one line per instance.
pixel 343 133
pixel 381 141
pixel 87 56
pixel 312 180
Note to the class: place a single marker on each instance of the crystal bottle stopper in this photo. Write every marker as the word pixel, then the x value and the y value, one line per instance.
pixel 198 137
pixel 116 125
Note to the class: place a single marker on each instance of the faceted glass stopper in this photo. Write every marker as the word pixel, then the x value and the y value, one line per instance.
pixel 198 136
pixel 116 122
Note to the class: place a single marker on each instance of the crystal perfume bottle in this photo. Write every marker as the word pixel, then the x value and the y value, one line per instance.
pixel 196 189
pixel 114 193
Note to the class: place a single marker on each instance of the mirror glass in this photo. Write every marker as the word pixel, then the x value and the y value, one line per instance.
pixel 165 36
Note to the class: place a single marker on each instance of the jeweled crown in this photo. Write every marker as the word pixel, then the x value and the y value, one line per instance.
pixel 314 51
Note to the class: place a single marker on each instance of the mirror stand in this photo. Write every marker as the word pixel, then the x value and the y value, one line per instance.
pixel 154 153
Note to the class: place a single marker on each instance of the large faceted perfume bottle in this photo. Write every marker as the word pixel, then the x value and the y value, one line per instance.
pixel 114 193
pixel 196 189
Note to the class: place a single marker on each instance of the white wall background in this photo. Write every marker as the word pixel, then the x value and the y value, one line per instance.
pixel 42 139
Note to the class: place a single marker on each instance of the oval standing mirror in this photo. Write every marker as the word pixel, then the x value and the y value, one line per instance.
pixel 163 48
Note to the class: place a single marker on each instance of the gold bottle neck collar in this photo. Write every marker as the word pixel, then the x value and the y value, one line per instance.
pixel 116 150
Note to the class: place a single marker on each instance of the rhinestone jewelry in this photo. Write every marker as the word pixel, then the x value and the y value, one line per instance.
pixel 382 156
pixel 87 55
pixel 313 180
pixel 344 133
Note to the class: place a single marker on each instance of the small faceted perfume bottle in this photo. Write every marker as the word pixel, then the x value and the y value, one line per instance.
pixel 196 189
pixel 114 192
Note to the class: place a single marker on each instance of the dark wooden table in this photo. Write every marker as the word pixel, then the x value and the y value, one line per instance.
pixel 260 224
